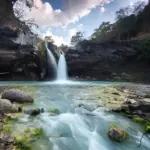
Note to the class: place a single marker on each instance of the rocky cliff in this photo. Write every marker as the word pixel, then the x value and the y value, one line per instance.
pixel 20 53
pixel 112 61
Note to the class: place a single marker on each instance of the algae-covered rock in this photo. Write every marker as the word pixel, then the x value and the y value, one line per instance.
pixel 147 128
pixel 9 121
pixel 6 106
pixel 54 111
pixel 27 139
pixel 117 134
pixel 17 96
pixel 139 119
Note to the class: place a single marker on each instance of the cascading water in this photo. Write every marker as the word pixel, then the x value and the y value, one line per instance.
pixel 51 60
pixel 62 68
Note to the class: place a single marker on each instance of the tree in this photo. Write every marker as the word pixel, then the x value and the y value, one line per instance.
pixel 63 48
pixel 49 39
pixel 102 32
pixel 138 7
pixel 77 38
pixel 123 12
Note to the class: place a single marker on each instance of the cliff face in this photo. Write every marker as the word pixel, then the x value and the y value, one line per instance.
pixel 107 61
pixel 20 57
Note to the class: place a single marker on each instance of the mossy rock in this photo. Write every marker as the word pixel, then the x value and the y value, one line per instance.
pixel 147 128
pixel 117 134
pixel 26 141
pixel 54 111
pixel 139 120
pixel 9 122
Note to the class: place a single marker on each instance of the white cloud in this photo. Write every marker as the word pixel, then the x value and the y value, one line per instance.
pixel 72 32
pixel 102 9
pixel 43 32
pixel 45 14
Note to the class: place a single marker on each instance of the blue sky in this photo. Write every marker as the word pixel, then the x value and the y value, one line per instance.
pixel 63 18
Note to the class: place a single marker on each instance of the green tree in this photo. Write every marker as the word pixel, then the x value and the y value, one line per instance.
pixel 77 38
pixel 101 33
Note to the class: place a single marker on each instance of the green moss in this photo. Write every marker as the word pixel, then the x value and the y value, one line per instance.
pixel 38 132
pixel 7 129
pixel 9 122
pixel 147 128
pixel 22 143
pixel 54 111
pixel 139 120
pixel 113 126
pixel 11 118
pixel 117 134
pixel 26 141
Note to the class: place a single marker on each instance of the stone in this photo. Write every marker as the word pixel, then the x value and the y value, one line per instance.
pixel 34 112
pixel 116 134
pixel 17 96
pixel 6 106
pixel 115 93
pixel 6 142
pixel 142 106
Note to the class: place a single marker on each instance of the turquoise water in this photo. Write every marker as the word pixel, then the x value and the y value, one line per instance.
pixel 76 128
pixel 82 83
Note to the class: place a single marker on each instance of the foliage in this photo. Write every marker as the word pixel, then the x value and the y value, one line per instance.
pixel 78 37
pixel 104 29
pixel 130 21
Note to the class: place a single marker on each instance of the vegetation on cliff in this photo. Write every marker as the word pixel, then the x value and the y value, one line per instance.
pixel 131 22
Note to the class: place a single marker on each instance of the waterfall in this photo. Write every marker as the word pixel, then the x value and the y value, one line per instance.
pixel 51 60
pixel 62 68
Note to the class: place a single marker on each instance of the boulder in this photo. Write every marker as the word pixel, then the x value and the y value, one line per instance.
pixel 142 106
pixel 7 106
pixel 117 134
pixel 17 96
pixel 6 142
pixel 34 112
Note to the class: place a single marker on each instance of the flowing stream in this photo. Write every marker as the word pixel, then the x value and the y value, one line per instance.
pixel 77 128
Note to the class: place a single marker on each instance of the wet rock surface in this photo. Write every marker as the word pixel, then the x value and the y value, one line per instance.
pixel 117 134
pixel 19 57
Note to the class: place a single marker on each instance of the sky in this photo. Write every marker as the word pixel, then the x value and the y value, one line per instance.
pixel 61 19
